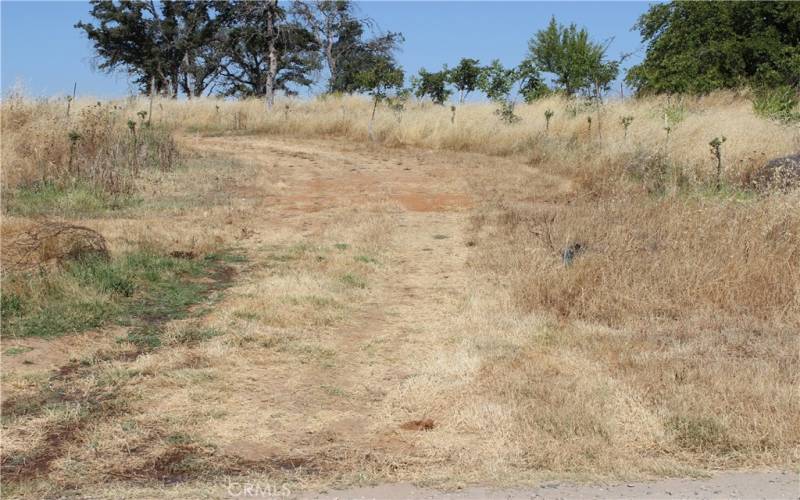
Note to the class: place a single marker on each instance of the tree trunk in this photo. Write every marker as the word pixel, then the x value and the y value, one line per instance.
pixel 152 96
pixel 272 7
pixel 372 119
pixel 329 52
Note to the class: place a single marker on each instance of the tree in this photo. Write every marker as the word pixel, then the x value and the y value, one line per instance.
pixel 531 85
pixel 377 81
pixel 165 43
pixel 198 43
pixel 433 85
pixel 496 81
pixel 578 63
pixel 263 50
pixel 698 47
pixel 464 77
pixel 339 34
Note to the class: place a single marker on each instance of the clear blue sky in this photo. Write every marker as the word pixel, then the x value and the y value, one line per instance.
pixel 44 52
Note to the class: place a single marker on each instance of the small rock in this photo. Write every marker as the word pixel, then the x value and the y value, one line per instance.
pixel 779 173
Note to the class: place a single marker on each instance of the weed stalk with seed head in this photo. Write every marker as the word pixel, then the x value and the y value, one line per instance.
pixel 132 128
pixel 716 152
pixel 548 114
pixel 626 122
pixel 452 114
pixel 667 129
pixel 74 137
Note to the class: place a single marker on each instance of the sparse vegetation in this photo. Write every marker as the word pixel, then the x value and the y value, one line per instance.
pixel 413 300
pixel 345 290
pixel 91 292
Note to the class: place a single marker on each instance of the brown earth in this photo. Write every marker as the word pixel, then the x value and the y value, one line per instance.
pixel 340 365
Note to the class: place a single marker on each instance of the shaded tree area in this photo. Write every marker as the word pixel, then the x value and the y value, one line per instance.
pixel 263 50
pixel 161 44
pixel 344 42
pixel 697 47
pixel 235 47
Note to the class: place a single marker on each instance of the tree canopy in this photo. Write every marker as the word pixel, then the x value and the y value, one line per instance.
pixel 464 77
pixel 578 63
pixel 433 85
pixel 698 47
pixel 235 47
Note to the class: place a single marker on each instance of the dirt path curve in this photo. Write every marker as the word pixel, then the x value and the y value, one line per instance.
pixel 393 400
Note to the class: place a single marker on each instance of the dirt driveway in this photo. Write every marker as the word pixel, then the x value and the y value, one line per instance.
pixel 360 344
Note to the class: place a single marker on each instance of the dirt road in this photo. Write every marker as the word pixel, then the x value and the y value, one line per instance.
pixel 398 400
pixel 745 485
pixel 363 345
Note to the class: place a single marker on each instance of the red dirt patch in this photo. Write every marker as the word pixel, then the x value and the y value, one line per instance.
pixel 436 202
pixel 425 424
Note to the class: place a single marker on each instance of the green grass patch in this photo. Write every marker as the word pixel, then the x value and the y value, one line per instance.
pixel 74 199
pixel 142 289
pixel 353 280
pixel 14 351
pixel 341 246
pixel 366 259
pixel 699 433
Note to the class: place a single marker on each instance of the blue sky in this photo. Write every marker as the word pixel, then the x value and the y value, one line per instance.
pixel 44 52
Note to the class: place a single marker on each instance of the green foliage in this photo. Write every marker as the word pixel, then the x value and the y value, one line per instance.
pixel 780 103
pixel 577 63
pixel 353 280
pixel 506 112
pixel 397 103
pixel 697 47
pixel 17 350
pixel 76 198
pixel 379 79
pixel 531 85
pixel 245 34
pixel 167 41
pixel 548 115
pixel 343 41
pixel 433 85
pixel 464 77
pixel 91 292
pixel 496 81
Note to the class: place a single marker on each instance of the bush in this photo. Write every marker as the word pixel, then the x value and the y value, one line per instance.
pixel 97 146
pixel 782 103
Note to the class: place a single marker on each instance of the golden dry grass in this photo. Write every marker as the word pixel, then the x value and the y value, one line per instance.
pixel 424 280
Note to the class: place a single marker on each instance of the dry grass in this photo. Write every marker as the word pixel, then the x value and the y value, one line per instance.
pixel 424 282
pixel 104 144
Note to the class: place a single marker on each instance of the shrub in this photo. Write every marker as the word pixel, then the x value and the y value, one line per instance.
pixel 782 103
pixel 97 146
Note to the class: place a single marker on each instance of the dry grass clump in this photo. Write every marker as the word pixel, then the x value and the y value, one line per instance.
pixel 659 259
pixel 103 144
pixel 668 296
pixel 693 122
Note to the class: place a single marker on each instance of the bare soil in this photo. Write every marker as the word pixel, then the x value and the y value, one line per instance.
pixel 390 387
